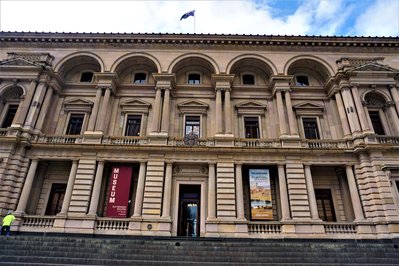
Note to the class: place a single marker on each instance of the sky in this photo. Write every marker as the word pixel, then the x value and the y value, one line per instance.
pixel 270 17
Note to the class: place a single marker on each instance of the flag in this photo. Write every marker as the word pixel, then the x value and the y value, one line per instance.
pixel 188 14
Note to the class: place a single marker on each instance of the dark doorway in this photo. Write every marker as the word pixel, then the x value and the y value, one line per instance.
pixel 56 199
pixel 189 211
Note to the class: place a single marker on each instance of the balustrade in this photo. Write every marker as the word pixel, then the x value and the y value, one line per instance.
pixel 112 225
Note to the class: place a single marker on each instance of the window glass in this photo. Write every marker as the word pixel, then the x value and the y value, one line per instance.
pixel 325 206
pixel 86 77
pixel 12 110
pixel 376 122
pixel 310 128
pixel 192 125
pixel 248 79
pixel 194 79
pixel 56 199
pixel 133 125
pixel 75 124
pixel 140 78
pixel 251 125
pixel 302 81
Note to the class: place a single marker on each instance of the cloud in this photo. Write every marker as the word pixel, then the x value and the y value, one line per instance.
pixel 380 19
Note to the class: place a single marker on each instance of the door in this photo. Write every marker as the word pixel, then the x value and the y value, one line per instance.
pixel 189 211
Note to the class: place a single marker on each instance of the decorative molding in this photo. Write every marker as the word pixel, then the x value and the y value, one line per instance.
pixel 78 105
pixel 135 105
pixel 251 108
pixel 193 107
pixel 307 108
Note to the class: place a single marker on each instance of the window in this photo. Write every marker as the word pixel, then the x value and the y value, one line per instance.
pixel 56 199
pixel 325 205
pixel 140 78
pixel 248 79
pixel 12 110
pixel 86 77
pixel 194 79
pixel 310 128
pixel 75 124
pixel 376 122
pixel 192 125
pixel 133 125
pixel 302 81
pixel 251 125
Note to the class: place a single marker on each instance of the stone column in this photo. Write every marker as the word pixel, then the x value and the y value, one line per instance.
pixel 212 193
pixel 357 206
pixel 68 192
pixel 366 111
pixel 138 203
pixel 282 182
pixel 219 127
pixel 36 104
pixel 394 117
pixel 156 110
pixel 23 199
pixel 281 113
pixel 347 203
pixel 95 194
pixel 395 97
pixel 291 116
pixel 239 193
pixel 45 108
pixel 342 114
pixel 24 106
pixel 104 109
pixel 350 110
pixel 166 111
pixel 227 111
pixel 360 111
pixel 167 191
pixel 94 112
pixel 311 194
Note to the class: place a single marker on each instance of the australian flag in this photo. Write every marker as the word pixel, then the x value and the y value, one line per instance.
pixel 188 14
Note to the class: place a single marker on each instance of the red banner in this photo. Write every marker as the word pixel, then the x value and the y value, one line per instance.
pixel 119 188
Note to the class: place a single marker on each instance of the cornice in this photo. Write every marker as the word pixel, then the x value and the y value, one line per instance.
pixel 122 39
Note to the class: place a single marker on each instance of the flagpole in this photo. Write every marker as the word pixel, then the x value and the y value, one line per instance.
pixel 194 24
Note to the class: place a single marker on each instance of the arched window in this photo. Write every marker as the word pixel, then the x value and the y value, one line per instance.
pixel 248 79
pixel 375 106
pixel 9 105
pixel 194 79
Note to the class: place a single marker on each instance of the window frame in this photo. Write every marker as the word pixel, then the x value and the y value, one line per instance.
pixel 317 126
pixel 299 84
pixel 86 72
pixel 69 120
pixel 194 73
pixel 5 110
pixel 259 126
pixel 199 124
pixel 248 74
pixel 125 126
pixel 332 205
pixel 49 194
pixel 381 116
pixel 140 72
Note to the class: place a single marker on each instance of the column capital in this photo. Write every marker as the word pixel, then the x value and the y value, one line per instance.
pixel 211 163
pixel 238 164
pixel 281 164
pixel 169 162
pixel 307 164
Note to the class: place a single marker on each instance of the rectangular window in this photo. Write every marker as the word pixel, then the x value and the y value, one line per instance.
pixel 192 125
pixel 140 78
pixel 248 79
pixel 12 110
pixel 310 128
pixel 56 199
pixel 86 77
pixel 325 206
pixel 194 79
pixel 302 81
pixel 376 122
pixel 133 125
pixel 251 125
pixel 75 124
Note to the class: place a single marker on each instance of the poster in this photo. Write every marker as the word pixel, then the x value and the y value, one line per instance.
pixel 260 194
pixel 119 191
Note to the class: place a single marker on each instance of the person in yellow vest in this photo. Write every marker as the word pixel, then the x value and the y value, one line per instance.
pixel 7 221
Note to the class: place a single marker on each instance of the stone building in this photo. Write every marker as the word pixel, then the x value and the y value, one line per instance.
pixel 200 135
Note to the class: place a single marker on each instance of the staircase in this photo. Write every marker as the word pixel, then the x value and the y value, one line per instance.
pixel 80 250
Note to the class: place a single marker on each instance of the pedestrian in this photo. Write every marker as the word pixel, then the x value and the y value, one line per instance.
pixel 7 221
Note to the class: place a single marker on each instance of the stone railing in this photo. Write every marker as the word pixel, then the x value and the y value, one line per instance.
pixel 264 228
pixel 388 139
pixel 62 139
pixel 339 228
pixel 122 140
pixel 192 143
pixel 327 144
pixel 257 143
pixel 111 225
pixel 38 222
pixel 3 132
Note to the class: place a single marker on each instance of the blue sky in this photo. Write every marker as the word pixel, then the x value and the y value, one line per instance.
pixel 291 17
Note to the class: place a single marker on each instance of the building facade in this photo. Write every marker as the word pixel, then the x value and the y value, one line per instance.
pixel 200 135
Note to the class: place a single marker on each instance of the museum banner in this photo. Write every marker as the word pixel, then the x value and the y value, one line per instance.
pixel 119 190
pixel 261 194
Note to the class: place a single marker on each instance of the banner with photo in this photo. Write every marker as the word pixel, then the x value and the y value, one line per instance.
pixel 260 194
pixel 119 190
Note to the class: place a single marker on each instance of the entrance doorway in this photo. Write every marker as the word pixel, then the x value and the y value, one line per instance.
pixel 189 210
